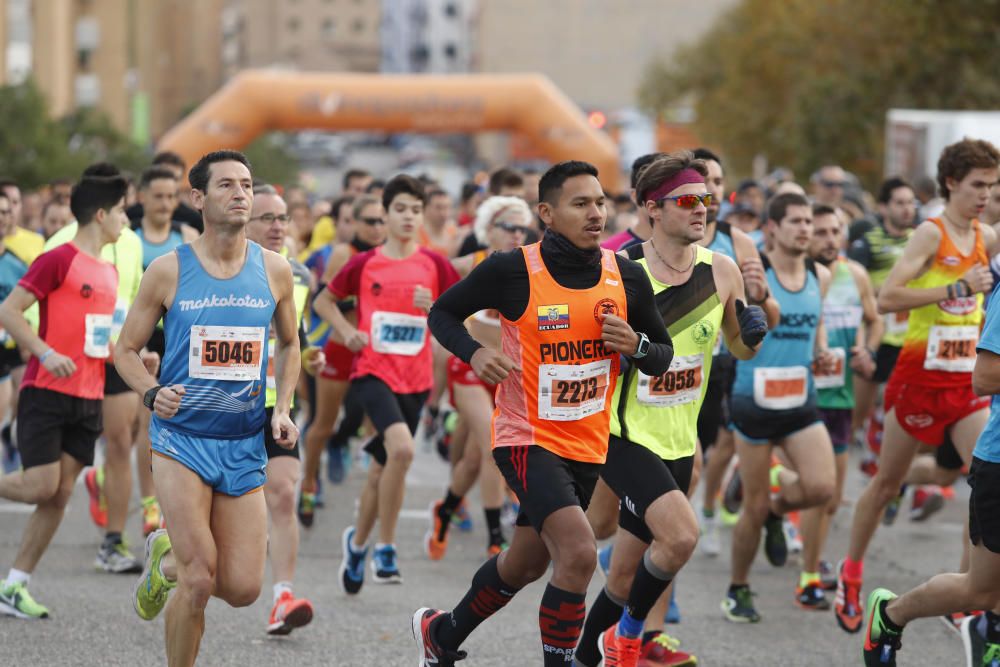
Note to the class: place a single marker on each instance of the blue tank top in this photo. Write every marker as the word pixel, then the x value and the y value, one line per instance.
pixel 780 377
pixel 151 251
pixel 723 241
pixel 216 346
pixel 12 269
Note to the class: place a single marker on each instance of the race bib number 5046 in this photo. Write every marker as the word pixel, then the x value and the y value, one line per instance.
pixel 226 353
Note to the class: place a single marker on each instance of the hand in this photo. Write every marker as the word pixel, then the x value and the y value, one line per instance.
pixel 284 430
pixel 59 365
pixel 862 361
pixel 356 340
pixel 754 279
pixel 168 401
pixel 826 362
pixel 492 366
pixel 753 323
pixel 151 360
pixel 618 335
pixel 422 298
pixel 313 360
pixel 979 278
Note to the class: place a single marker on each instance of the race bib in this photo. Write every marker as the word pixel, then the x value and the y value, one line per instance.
pixel 396 333
pixel 118 319
pixel 679 385
pixel 226 353
pixel 835 378
pixel 844 317
pixel 951 349
pixel 97 336
pixel 780 388
pixel 896 323
pixel 272 385
pixel 571 392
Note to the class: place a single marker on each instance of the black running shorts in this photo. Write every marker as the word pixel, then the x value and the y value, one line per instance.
pixel 639 478
pixel 947 456
pixel 272 447
pixel 714 413
pixel 10 358
pixel 545 482
pixel 113 382
pixel 885 361
pixel 50 423
pixel 984 504
pixel 385 408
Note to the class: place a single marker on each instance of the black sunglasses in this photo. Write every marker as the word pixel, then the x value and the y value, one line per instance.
pixel 371 222
pixel 510 227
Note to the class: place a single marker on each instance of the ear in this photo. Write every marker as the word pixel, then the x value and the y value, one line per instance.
pixel 545 213
pixel 950 183
pixel 197 199
pixel 653 210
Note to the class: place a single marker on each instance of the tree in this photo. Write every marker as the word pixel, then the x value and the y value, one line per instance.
pixel 808 82
pixel 272 163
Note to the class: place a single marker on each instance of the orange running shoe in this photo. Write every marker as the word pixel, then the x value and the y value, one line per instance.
pixel 619 651
pixel 288 613
pixel 434 547
pixel 847 604
pixel 495 550
pixel 94 481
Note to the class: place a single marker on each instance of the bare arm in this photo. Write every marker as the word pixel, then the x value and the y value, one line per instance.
pixel 822 344
pixel 287 359
pixel 338 257
pixel 12 320
pixel 326 307
pixel 754 277
pixel 986 374
pixel 874 326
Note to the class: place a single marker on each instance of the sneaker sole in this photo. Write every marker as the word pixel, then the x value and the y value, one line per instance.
pixel 736 619
pixel 928 509
pixel 387 581
pixel 948 623
pixel 299 617
pixel 342 572
pixel 965 637
pixel 415 621
pixel 13 611
pixel 146 570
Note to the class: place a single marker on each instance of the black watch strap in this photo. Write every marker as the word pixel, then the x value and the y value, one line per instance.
pixel 150 396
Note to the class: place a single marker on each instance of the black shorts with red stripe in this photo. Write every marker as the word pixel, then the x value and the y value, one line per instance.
pixel 545 482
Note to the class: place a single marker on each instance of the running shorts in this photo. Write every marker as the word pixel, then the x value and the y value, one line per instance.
pixel 927 412
pixel 885 361
pixel 714 413
pixel 947 457
pixel 984 504
pixel 545 482
pixel 386 408
pixel 759 427
pixel 231 466
pixel 50 423
pixel 838 424
pixel 10 358
pixel 113 382
pixel 460 372
pixel 339 360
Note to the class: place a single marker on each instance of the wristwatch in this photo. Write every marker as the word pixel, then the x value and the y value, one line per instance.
pixel 150 396
pixel 643 348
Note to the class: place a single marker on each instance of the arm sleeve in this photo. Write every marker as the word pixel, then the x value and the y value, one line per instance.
pixel 48 271
pixel 644 317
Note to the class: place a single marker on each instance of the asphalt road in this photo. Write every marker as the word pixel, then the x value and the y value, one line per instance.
pixel 93 622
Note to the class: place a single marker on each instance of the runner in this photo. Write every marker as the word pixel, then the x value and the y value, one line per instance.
pixel 940 279
pixel 774 404
pixel 854 329
pixel 218 297
pixel 501 225
pixel 59 415
pixel 395 285
pixel 642 230
pixel 439 233
pixel 567 311
pixel 27 244
pixel 652 447
pixel 332 381
pixel 12 269
pixel 267 227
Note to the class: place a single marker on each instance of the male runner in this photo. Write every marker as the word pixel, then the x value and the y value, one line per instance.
pixel 12 268
pixel 979 586
pixel 157 229
pixel 395 285
pixel 59 414
pixel 26 243
pixel 218 297
pixel 853 329
pixel 568 309
pixel 940 279
pixel 439 233
pixel 774 404
pixel 652 445
pixel 642 230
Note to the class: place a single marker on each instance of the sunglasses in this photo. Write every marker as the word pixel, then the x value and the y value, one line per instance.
pixel 269 218
pixel 511 228
pixel 691 201
pixel 371 222
pixel 833 184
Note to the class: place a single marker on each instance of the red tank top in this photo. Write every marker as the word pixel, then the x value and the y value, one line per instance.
pixel 76 303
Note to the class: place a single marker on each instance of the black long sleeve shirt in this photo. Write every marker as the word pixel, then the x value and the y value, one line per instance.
pixel 501 282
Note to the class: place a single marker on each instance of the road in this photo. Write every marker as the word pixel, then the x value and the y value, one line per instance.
pixel 93 623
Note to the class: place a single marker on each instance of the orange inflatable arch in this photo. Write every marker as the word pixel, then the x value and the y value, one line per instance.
pixel 257 101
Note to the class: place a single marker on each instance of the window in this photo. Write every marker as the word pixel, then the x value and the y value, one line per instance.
pixel 450 52
pixel 329 27
pixel 293 24
pixel 358 25
pixel 451 10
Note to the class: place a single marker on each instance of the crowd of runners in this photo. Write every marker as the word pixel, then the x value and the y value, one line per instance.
pixel 588 358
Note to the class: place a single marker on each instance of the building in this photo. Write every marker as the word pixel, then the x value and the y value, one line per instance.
pixel 428 36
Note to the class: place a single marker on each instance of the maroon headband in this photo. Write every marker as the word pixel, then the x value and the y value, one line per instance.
pixel 683 177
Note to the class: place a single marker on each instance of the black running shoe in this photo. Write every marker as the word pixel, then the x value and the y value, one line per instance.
pixel 775 546
pixel 429 653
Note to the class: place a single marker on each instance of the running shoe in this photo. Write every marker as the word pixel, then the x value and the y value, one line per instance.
pixel 604 559
pixel 152 588
pixel 732 497
pixel 93 479
pixel 892 509
pixel 827 575
pixel 775 544
pixel 117 559
pixel 869 466
pixel 812 598
pixel 319 503
pixel 433 547
pixel 288 613
pixel 307 508
pixel 429 654
pixel 927 500
pixel 352 567
pixel 619 651
pixel 793 539
pixel 152 517
pixel 979 652
pixel 954 620
pixel 728 518
pixel 673 615
pixel 847 602
pixel 738 605
pixel 335 470
pixel 495 549
pixel 709 542
pixel 881 642
pixel 15 600
pixel 661 650
pixel 385 569
pixel 10 461
pixel 461 518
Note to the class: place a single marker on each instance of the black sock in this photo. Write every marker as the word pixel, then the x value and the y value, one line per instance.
pixel 889 623
pixel 560 619
pixel 447 508
pixel 111 539
pixel 733 588
pixel 486 596
pixel 493 525
pixel 647 586
pixel 604 612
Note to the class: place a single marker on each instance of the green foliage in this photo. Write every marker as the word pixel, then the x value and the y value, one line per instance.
pixel 271 161
pixel 808 82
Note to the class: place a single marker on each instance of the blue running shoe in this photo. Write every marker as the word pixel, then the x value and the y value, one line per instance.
pixel 352 567
pixel 335 471
pixel 461 518
pixel 604 559
pixel 673 614
pixel 384 566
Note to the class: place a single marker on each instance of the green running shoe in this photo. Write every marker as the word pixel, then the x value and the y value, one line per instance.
pixel 881 641
pixel 979 652
pixel 152 588
pixel 15 600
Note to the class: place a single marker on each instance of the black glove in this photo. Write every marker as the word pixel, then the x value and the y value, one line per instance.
pixel 753 323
